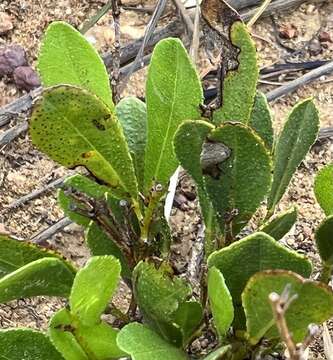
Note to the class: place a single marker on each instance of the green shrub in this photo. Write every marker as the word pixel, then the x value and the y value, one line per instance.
pixel 130 151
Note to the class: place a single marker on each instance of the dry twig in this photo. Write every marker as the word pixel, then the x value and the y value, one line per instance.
pixel 50 231
pixel 280 305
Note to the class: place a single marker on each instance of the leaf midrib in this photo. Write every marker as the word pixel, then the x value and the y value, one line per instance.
pixel 166 138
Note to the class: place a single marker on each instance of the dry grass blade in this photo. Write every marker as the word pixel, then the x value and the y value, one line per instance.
pixel 328 344
pixel 259 12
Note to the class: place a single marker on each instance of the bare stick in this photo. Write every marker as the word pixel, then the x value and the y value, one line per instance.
pixel 50 231
pixel 94 19
pixel 275 6
pixel 280 305
pixel 11 134
pixel 295 84
pixel 257 15
pixel 33 195
pixel 116 51
pixel 185 16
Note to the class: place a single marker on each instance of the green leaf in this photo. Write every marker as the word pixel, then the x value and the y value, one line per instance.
pixel 220 301
pixel 261 119
pixel 99 341
pixel 34 279
pixel 87 186
pixel 256 252
pixel 61 335
pixel 188 143
pixel 281 224
pixel 314 304
pixel 298 134
pixel 93 287
pixel 159 295
pixel 218 353
pixel 23 344
pixel 101 244
pixel 66 57
pixel 323 189
pixel 14 254
pixel 173 94
pixel 240 182
pixel 324 240
pixel 144 344
pixel 132 115
pixel 75 128
pixel 188 317
pixel 70 207
pixel 239 86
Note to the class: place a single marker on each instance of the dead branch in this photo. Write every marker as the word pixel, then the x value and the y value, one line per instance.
pixel 301 81
pixel 115 75
pixel 34 194
pixel 185 16
pixel 50 231
pixel 280 305
pixel 277 5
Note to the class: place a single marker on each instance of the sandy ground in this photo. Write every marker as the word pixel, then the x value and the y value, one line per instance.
pixel 23 168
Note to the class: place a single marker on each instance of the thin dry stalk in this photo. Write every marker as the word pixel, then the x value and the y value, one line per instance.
pixel 280 305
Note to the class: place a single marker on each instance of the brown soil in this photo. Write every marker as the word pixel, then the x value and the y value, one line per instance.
pixel 24 169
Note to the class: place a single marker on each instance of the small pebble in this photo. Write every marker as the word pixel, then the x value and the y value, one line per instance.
pixel 26 78
pixel 5 23
pixel 324 36
pixel 315 47
pixel 11 57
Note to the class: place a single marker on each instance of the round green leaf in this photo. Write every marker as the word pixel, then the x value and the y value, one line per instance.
pixel 61 335
pixel 323 188
pixel 173 94
pixel 34 279
pixel 254 253
pixel 324 240
pixel 281 224
pixel 66 57
pixel 144 344
pixel 314 304
pixel 23 344
pixel 242 181
pixel 298 134
pixel 75 128
pixel 220 301
pixel 93 288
